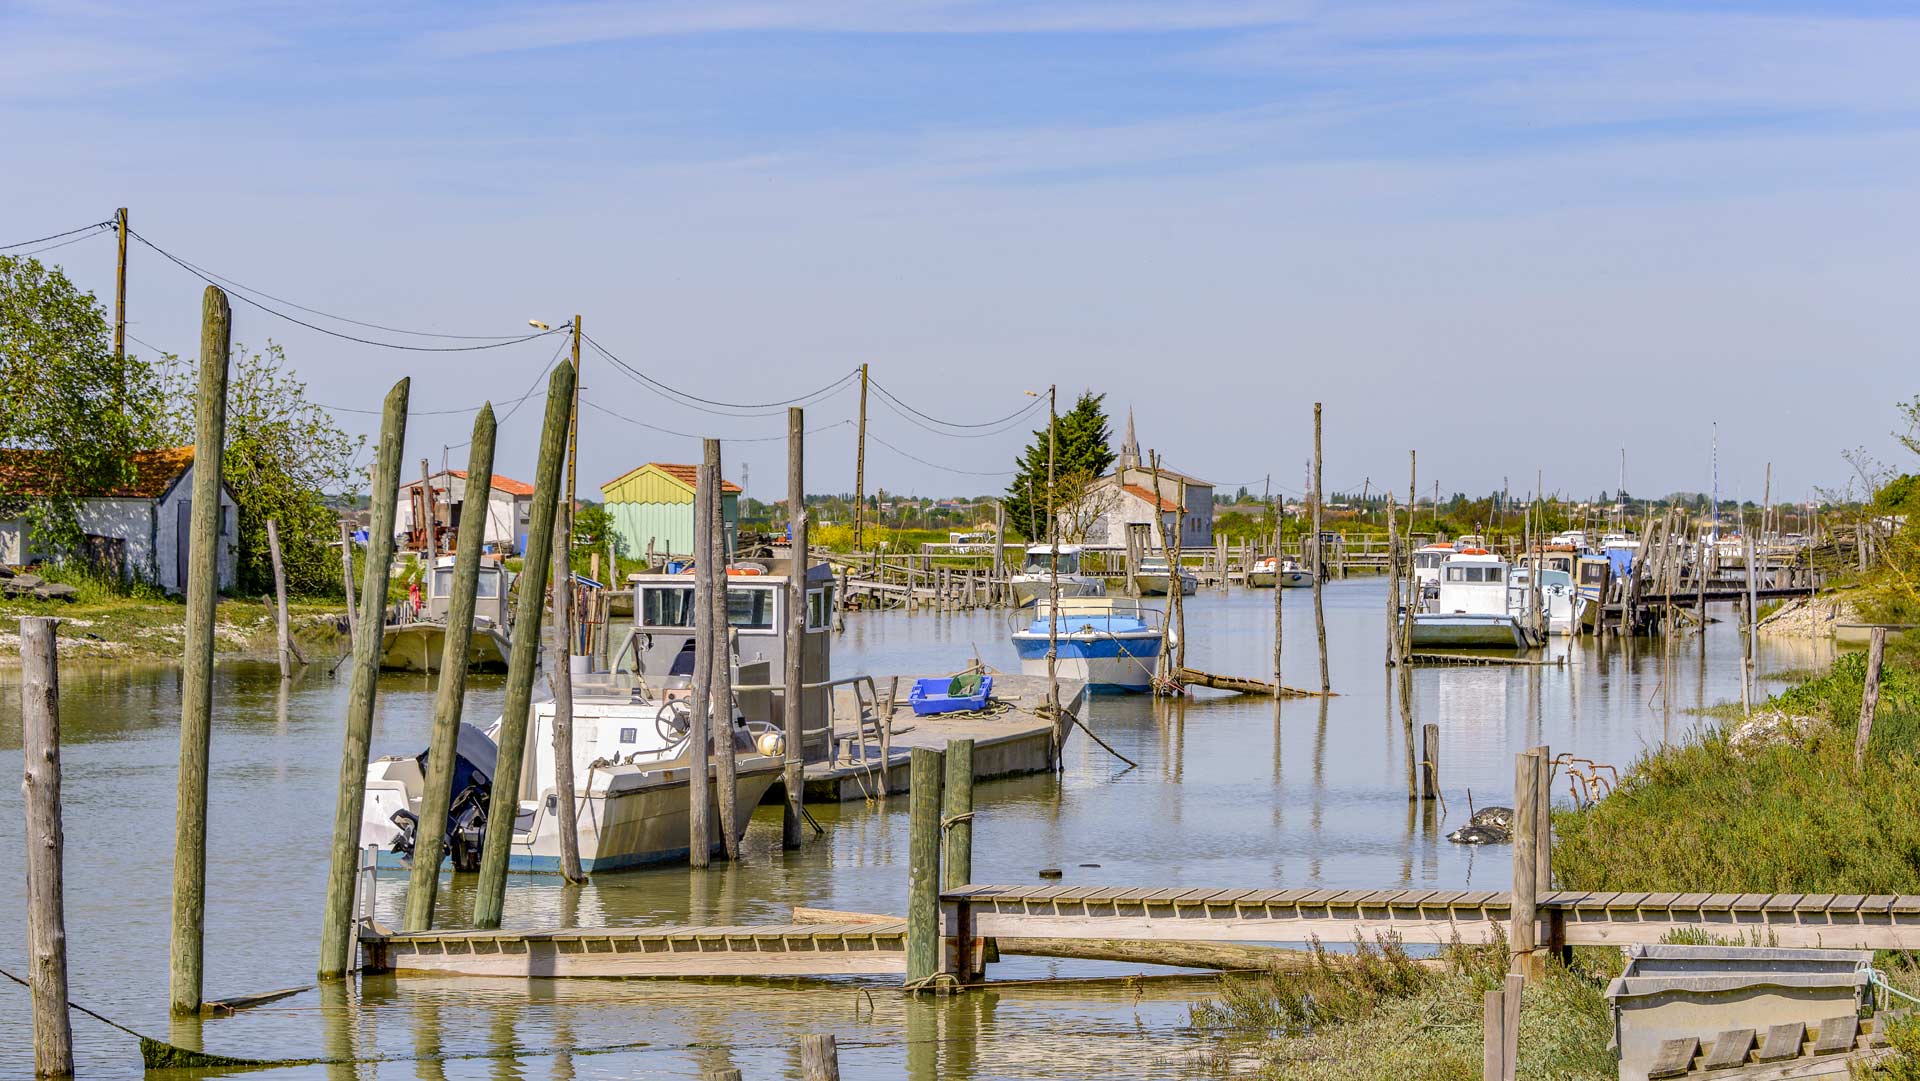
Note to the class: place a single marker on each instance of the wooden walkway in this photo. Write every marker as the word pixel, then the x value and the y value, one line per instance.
pixel 1851 921
pixel 810 949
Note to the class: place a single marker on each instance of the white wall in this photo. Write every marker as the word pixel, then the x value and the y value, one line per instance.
pixel 130 520
pixel 166 552
pixel 13 542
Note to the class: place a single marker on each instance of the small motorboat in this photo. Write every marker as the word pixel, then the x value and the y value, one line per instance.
pixel 417 642
pixel 1043 562
pixel 1284 574
pixel 1153 579
pixel 1112 644
pixel 1473 607
pixel 1559 600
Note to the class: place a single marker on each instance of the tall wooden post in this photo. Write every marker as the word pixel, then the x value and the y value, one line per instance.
pixel 573 443
pixel 923 867
pixel 427 527
pixel 429 845
pixel 503 803
pixel 280 600
pixel 1053 574
pixel 1413 586
pixel 1430 761
pixel 560 678
pixel 1393 584
pixel 956 812
pixel 706 496
pixel 196 682
pixel 346 580
pixel 336 929
pixel 819 1058
pixel 1523 935
pixel 1749 655
pixel 720 717
pixel 1319 563
pixel 1869 696
pixel 120 300
pixel 46 847
pixel 792 697
pixel 1279 594
pixel 860 472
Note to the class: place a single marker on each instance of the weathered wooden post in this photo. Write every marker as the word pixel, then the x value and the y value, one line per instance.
pixel 346 581
pixel 1430 761
pixel 1393 584
pixel 956 813
pixel 706 496
pixel 1524 914
pixel 429 843
pixel 720 717
pixel 923 869
pixel 1869 696
pixel 1279 594
pixel 819 1058
pixel 1319 562
pixel 196 681
pixel 503 802
pixel 430 543
pixel 280 600
pixel 46 847
pixel 336 929
pixel 1542 820
pixel 791 693
pixel 560 678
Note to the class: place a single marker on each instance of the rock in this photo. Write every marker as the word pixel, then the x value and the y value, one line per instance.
pixel 1500 818
pixel 1051 872
pixel 1769 727
pixel 1480 835
pixel 57 591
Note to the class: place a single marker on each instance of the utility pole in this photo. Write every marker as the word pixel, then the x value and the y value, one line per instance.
pixel 120 301
pixel 573 434
pixel 860 471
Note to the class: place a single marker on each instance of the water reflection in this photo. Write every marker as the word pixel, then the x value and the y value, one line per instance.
pixel 1249 793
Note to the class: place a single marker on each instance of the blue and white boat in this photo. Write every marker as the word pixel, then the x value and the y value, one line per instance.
pixel 1111 643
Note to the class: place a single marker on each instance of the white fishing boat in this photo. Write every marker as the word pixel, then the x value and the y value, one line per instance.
pixel 1153 579
pixel 1042 562
pixel 1472 607
pixel 1560 602
pixel 417 642
pixel 1110 643
pixel 1285 573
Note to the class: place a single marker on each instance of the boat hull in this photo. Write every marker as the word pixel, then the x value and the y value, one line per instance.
pixel 1467 630
pixel 642 826
pixel 1122 663
pixel 419 647
pixel 1155 585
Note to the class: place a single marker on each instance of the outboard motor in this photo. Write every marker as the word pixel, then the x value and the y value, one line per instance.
pixel 465 828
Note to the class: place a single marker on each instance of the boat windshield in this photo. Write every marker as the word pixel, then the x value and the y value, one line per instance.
pixel 1041 562
pixel 487 588
pixel 749 608
pixel 1475 573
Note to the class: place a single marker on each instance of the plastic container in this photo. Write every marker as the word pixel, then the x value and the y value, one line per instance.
pixel 931 696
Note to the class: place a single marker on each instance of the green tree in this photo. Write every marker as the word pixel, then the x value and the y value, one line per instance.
pixel 592 525
pixel 283 455
pixel 65 391
pixel 1080 453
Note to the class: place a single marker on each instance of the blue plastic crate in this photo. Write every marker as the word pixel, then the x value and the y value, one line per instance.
pixel 932 696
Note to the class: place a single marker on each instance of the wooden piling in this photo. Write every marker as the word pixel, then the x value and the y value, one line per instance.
pixel 1869 696
pixel 923 868
pixel 1430 761
pixel 1542 820
pixel 1393 584
pixel 819 1058
pixel 336 931
pixel 196 681
pixel 1319 562
pixel 503 802
pixel 282 638
pixel 346 581
pixel 430 543
pixel 560 679
pixel 46 847
pixel 1523 936
pixel 706 496
pixel 720 717
pixel 791 693
pixel 436 794
pixel 1279 594
pixel 1413 599
pixel 956 812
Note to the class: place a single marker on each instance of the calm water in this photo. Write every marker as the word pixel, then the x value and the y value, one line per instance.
pixel 1228 793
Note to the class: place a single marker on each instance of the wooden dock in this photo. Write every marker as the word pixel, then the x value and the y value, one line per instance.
pixel 1486 659
pixel 807 949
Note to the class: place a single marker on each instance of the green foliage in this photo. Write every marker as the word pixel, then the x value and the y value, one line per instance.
pixel 283 454
pixel 65 391
pixel 592 525
pixel 1080 453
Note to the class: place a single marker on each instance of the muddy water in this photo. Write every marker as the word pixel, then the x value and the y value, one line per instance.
pixel 1228 793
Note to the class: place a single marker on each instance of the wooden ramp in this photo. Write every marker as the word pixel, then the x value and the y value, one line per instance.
pixel 1881 922
pixel 816 949
pixel 1486 659
pixel 1193 677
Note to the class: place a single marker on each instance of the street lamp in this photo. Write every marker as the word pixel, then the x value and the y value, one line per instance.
pixel 538 325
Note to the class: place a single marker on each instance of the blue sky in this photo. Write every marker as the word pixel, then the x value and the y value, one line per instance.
pixel 1513 236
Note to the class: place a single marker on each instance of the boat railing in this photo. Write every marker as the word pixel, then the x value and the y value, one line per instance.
pixel 873 726
pixel 1083 607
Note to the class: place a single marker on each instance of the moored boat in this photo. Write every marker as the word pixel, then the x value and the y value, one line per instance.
pixel 1472 607
pixel 1038 569
pixel 416 643
pixel 1154 579
pixel 1110 643
pixel 1283 574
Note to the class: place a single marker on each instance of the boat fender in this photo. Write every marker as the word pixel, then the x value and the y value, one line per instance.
pixel 771 744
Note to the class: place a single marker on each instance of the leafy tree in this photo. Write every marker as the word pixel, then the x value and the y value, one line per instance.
pixel 283 454
pixel 592 525
pixel 1080 453
pixel 65 391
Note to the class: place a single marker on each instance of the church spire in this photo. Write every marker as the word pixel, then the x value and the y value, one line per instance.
pixel 1130 450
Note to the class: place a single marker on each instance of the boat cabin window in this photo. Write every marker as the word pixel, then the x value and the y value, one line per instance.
pixel 819 608
pixel 666 606
pixel 750 609
pixel 1474 574
pixel 629 735
pixel 486 588
pixel 1428 560
pixel 1592 574
pixel 1040 563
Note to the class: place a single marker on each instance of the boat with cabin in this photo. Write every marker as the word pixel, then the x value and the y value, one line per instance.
pixel 1110 643
pixel 416 642
pixel 1472 606
pixel 1034 582
pixel 1283 574
pixel 1560 602
pixel 1153 579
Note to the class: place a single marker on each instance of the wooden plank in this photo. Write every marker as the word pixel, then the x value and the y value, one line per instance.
pixel 1783 902
pixel 1878 903
pixel 1846 902
pixel 1905 902
pixel 1629 900
pixel 1719 902
pixel 1729 1049
pixel 1674 1058
pixel 1781 1042
pixel 1837 1034
pixel 1814 902
pixel 1751 901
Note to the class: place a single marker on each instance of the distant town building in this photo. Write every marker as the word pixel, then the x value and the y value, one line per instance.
pixel 1134 494
pixel 138 529
pixel 509 508
pixel 652 505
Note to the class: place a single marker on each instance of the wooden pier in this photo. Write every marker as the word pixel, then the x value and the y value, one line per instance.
pixel 806 949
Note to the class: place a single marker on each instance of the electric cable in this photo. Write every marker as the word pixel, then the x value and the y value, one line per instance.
pixel 697 400
pixel 56 236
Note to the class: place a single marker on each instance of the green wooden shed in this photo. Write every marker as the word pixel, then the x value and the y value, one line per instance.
pixel 654 504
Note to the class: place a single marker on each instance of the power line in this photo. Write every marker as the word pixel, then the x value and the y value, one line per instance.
pixel 693 435
pixel 56 236
pixel 696 401
pixel 936 465
pixel 1008 423
pixel 950 423
pixel 205 276
pixel 57 245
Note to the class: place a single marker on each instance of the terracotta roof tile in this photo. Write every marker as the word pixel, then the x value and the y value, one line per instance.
pixel 500 483
pixel 683 473
pixel 1165 505
pixel 29 472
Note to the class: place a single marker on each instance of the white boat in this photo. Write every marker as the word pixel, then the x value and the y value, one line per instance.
pixel 631 768
pixel 1109 643
pixel 416 644
pixel 1152 579
pixel 1559 600
pixel 1287 574
pixel 1472 607
pixel 1043 561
